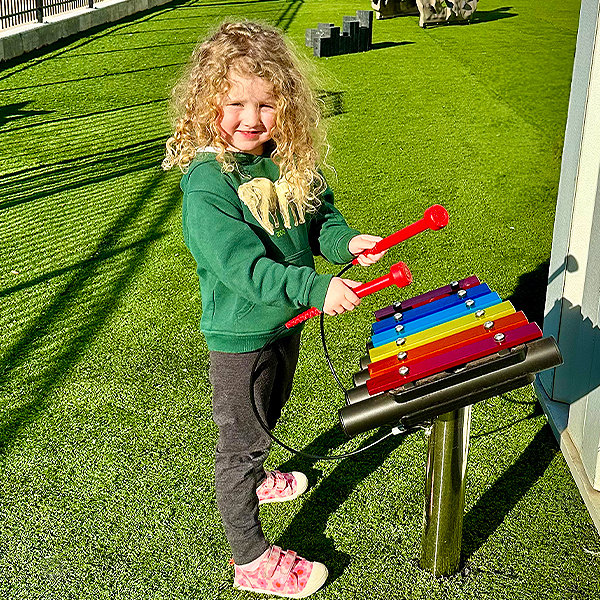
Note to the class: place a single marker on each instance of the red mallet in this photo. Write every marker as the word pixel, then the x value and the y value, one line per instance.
pixel 399 275
pixel 435 217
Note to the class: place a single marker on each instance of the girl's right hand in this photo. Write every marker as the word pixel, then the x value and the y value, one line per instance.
pixel 340 297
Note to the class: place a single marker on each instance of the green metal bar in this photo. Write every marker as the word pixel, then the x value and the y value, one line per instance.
pixel 447 454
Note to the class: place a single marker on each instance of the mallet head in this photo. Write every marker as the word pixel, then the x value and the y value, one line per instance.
pixel 400 274
pixel 436 216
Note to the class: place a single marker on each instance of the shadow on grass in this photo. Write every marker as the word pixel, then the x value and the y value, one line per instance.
pixel 29 185
pixel 498 501
pixel 47 84
pixel 71 118
pixel 306 532
pixel 530 293
pixel 382 45
pixel 78 40
pixel 72 43
pixel 52 343
pixel 534 414
pixel 13 112
pixel 485 16
pixel 332 103
pixel 287 16
pixel 124 50
pixel 84 264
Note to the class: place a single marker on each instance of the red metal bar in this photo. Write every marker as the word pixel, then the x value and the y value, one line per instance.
pixel 453 358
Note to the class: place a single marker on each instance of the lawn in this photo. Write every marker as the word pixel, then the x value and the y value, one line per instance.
pixel 106 439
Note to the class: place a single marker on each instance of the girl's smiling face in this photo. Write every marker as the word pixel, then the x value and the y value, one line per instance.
pixel 247 113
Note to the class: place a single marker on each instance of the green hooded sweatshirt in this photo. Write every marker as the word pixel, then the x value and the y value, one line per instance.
pixel 252 281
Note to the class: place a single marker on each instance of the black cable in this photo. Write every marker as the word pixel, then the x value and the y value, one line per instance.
pixel 324 344
pixel 282 329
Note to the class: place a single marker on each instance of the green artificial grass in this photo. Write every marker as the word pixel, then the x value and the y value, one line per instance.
pixel 106 439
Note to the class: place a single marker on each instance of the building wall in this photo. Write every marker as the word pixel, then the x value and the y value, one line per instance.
pixel 570 394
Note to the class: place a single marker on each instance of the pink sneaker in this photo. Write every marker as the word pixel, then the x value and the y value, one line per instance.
pixel 281 487
pixel 281 573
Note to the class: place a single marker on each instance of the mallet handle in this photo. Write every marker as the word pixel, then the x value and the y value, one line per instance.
pixel 399 275
pixel 434 218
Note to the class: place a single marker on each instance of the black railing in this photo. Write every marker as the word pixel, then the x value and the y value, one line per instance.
pixel 21 12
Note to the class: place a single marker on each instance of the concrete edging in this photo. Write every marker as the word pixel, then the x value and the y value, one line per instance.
pixel 20 40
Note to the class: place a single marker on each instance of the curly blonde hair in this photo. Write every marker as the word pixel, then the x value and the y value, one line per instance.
pixel 251 49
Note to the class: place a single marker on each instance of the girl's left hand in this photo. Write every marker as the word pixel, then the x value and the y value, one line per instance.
pixel 363 242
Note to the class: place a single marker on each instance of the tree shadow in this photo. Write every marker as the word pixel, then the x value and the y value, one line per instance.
pixel 482 520
pixel 10 113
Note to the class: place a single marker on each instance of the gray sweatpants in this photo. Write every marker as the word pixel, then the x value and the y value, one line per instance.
pixel 243 445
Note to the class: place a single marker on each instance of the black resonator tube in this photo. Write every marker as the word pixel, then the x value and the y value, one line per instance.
pixel 439 394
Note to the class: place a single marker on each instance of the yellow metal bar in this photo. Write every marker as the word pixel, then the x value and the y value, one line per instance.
pixel 441 331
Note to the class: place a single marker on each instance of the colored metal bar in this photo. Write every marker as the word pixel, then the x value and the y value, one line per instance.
pixel 437 318
pixel 445 478
pixel 453 358
pixel 446 290
pixel 440 331
pixel 462 338
pixel 431 307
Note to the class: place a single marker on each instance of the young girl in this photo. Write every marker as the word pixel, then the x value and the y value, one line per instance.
pixel 255 210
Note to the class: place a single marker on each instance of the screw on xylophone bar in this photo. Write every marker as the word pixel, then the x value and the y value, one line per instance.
pixel 400 341
pixel 402 355
pixel 470 303
pixel 398 316
pixel 489 325
pixel 399 328
pixel 480 313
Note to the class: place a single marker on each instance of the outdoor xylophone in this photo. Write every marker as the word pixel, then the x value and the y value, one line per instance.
pixel 442 347
pixel 430 358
